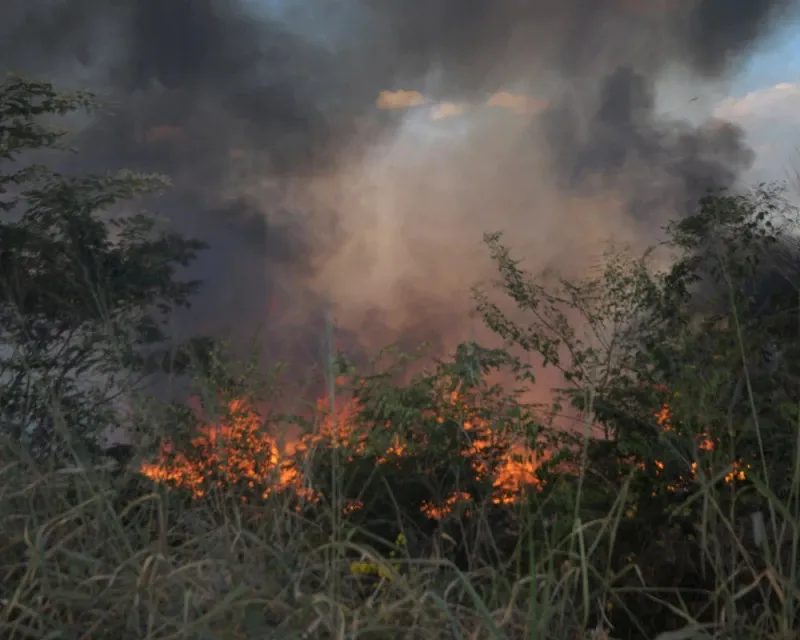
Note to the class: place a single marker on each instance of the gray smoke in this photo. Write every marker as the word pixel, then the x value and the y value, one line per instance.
pixel 264 114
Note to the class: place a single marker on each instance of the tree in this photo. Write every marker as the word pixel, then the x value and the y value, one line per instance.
pixel 84 295
pixel 691 370
pixel 699 330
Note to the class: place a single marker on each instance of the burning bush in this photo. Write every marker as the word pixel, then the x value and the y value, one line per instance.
pixel 451 446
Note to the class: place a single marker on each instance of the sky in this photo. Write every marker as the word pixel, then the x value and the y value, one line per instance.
pixel 765 100
pixel 777 62
pixel 263 114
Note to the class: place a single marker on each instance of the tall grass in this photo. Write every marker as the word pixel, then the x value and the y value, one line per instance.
pixel 94 551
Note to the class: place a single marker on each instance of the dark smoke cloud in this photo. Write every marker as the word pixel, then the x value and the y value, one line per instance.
pixel 263 113
pixel 624 145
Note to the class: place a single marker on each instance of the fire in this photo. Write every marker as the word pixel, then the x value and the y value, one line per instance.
pixel 664 418
pixel 236 451
pixel 516 471
pixel 240 451
pixel 437 512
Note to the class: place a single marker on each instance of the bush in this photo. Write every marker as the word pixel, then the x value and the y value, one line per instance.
pixel 438 505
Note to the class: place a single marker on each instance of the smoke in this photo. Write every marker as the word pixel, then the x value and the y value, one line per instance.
pixel 352 154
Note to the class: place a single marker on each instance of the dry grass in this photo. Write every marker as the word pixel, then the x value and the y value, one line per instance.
pixel 81 560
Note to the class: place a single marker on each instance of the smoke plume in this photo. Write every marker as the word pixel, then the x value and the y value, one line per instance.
pixel 352 154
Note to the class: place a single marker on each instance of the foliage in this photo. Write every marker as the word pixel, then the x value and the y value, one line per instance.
pixel 435 505
pixel 85 293
pixel 643 332
pixel 686 371
pixel 428 452
pixel 639 532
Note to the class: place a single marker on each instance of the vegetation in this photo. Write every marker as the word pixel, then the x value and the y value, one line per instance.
pixel 437 505
pixel 85 297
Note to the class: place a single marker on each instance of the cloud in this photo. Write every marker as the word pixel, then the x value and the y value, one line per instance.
pixel 519 104
pixel 317 188
pixel 779 102
pixel 523 105
pixel 771 120
pixel 446 110
pixel 399 99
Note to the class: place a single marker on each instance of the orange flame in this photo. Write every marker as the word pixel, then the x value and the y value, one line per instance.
pixel 239 450
pixel 664 418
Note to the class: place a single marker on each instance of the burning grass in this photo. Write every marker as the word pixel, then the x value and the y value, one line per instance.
pixel 156 567
pixel 241 449
pixel 200 544
pixel 550 551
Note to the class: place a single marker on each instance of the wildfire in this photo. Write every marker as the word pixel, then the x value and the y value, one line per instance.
pixel 236 451
pixel 239 451
pixel 664 418
pixel 439 511
pixel 512 476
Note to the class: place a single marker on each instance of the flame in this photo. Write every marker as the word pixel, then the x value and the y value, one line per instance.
pixel 664 418
pixel 439 511
pixel 239 450
pixel 235 451
pixel 513 474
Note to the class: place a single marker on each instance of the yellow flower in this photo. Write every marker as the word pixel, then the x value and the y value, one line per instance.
pixel 363 568
pixel 371 569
